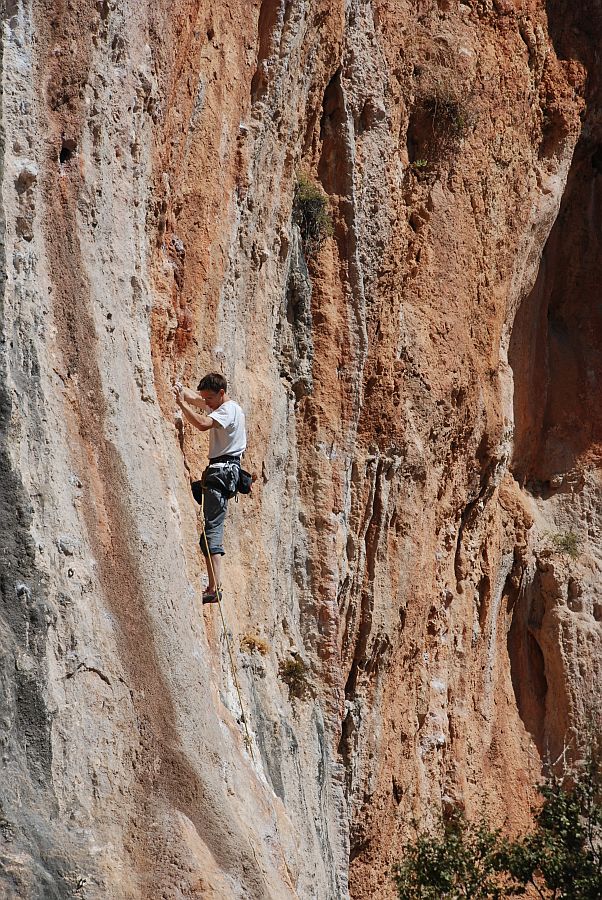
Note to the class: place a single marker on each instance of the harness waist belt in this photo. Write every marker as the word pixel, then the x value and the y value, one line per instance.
pixel 224 460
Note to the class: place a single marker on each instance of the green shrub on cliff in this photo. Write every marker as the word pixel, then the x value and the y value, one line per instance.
pixel 561 859
pixel 295 674
pixel 566 542
pixel 310 213
pixel 443 115
pixel 451 114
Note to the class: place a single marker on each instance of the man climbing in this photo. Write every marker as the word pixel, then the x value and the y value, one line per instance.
pixel 225 422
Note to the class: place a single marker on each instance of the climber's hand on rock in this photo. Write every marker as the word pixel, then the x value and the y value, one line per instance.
pixel 185 395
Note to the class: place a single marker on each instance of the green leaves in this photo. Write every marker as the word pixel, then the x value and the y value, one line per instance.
pixel 566 542
pixel 561 858
pixel 461 860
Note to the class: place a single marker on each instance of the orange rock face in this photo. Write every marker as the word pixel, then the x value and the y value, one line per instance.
pixel 412 593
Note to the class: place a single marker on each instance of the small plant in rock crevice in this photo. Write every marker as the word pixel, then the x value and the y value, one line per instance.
pixel 451 115
pixel 443 115
pixel 294 672
pixel 420 166
pixel 311 215
pixel 250 643
pixel 566 542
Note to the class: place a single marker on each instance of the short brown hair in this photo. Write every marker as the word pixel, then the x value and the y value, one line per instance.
pixel 213 381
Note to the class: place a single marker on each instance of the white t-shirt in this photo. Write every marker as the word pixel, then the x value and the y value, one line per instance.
pixel 229 435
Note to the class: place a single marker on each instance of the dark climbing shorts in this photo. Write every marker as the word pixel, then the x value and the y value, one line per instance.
pixel 215 508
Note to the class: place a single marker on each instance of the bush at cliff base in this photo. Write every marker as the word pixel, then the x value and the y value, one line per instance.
pixel 560 859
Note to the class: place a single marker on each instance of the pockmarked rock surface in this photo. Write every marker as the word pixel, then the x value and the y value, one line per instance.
pixel 413 590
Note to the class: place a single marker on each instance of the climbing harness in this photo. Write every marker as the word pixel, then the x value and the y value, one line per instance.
pixel 248 741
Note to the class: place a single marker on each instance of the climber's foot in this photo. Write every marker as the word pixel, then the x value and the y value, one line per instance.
pixel 212 596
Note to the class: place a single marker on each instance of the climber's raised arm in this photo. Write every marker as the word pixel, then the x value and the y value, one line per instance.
pixel 192 398
pixel 199 420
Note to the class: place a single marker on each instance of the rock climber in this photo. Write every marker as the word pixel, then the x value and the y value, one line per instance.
pixel 225 422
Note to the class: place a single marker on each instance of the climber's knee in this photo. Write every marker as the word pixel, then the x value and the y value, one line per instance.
pixel 214 547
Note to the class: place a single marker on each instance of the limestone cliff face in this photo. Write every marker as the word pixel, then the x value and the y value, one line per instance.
pixel 422 402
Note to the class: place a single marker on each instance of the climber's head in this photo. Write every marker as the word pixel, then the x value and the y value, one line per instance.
pixel 212 389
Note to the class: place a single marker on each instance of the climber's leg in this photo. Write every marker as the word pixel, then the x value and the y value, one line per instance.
pixel 215 506
pixel 216 565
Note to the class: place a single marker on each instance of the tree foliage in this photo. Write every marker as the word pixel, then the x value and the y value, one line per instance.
pixel 560 859
pixel 458 860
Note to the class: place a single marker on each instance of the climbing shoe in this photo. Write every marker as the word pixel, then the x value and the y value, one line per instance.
pixel 212 596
